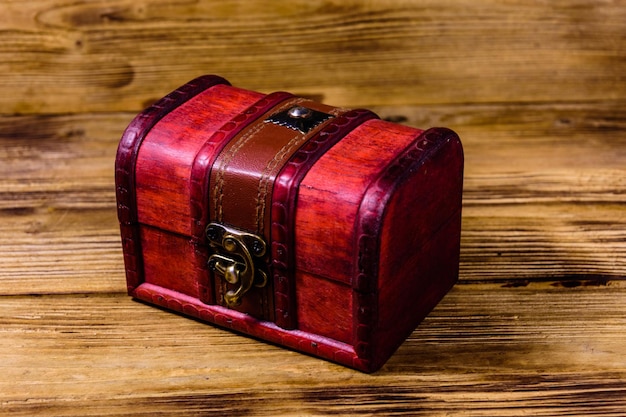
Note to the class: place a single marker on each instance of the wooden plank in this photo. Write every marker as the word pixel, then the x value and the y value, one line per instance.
pixel 485 350
pixel 58 225
pixel 108 56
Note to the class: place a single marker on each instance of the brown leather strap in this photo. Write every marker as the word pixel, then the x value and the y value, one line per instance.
pixel 199 183
pixel 206 156
pixel 242 180
pixel 243 174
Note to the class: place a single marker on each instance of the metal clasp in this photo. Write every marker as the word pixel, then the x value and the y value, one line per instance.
pixel 234 260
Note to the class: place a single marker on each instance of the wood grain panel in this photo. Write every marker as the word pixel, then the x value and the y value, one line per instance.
pixel 58 226
pixel 103 355
pixel 121 55
pixel 536 91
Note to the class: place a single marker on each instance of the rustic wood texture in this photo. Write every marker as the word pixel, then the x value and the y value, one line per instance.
pixel 536 90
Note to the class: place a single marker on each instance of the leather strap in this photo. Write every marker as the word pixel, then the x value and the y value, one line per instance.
pixel 242 180
pixel 199 183
pixel 243 174
pixel 207 155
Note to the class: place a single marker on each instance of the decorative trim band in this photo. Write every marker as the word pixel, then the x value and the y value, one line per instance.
pixel 369 227
pixel 125 169
pixel 284 201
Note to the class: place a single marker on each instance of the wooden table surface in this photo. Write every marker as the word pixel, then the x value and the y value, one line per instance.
pixel 537 92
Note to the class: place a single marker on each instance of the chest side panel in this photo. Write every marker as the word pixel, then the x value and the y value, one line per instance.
pixel 167 154
pixel 419 238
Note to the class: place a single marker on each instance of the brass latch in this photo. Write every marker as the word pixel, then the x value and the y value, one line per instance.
pixel 234 260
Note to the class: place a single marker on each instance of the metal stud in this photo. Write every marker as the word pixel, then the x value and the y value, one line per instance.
pixel 299 112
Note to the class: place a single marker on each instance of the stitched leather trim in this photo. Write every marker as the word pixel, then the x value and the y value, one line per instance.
pixel 241 187
pixel 242 176
pixel 209 152
pixel 199 184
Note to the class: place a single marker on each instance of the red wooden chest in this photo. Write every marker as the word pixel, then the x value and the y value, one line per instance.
pixel 321 229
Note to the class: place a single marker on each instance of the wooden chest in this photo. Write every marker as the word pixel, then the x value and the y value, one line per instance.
pixel 321 229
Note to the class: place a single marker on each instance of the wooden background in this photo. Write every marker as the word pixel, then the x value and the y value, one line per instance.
pixel 537 92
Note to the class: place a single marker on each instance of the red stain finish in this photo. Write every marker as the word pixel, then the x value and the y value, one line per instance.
pixel 365 220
